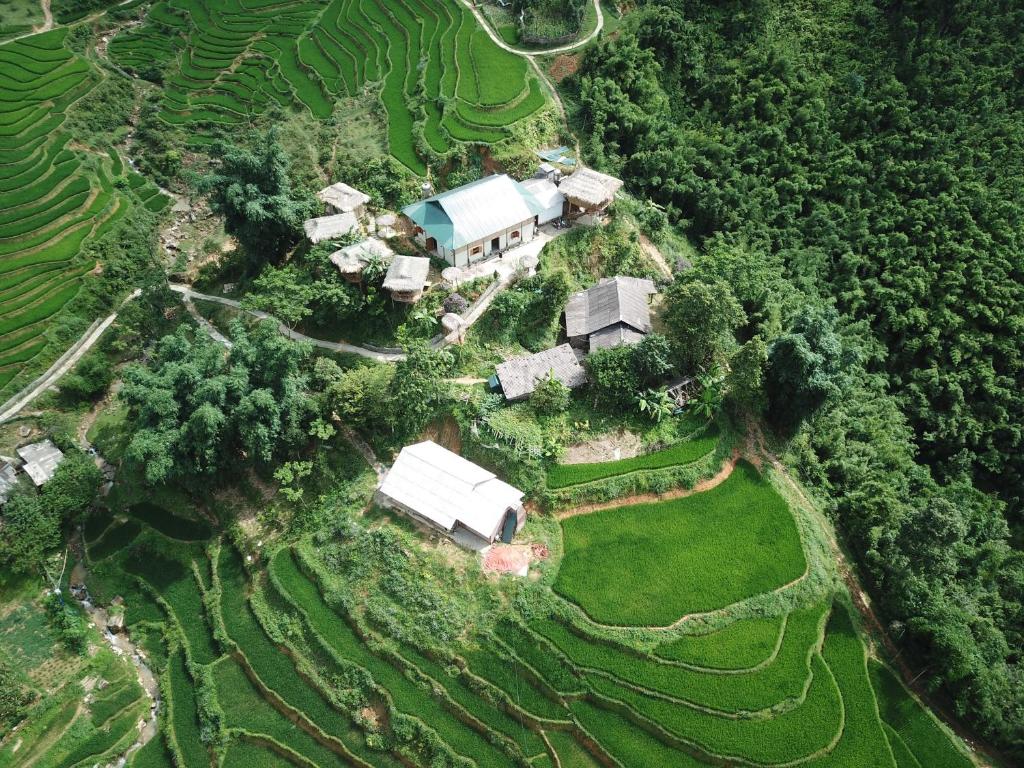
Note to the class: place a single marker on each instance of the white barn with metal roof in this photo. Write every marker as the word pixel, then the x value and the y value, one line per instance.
pixel 476 221
pixel 447 492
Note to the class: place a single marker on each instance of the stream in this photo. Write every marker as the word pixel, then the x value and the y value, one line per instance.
pixel 122 645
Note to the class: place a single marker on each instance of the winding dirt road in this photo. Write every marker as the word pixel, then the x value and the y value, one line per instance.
pixel 542 52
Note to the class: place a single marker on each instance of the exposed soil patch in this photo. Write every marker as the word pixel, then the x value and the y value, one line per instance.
pixel 508 558
pixel 564 66
pixel 445 432
pixel 621 445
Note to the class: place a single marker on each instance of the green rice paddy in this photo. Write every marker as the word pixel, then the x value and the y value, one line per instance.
pixel 650 564
pixel 438 73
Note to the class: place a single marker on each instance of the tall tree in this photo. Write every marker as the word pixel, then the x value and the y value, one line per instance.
pixel 702 318
pixel 251 189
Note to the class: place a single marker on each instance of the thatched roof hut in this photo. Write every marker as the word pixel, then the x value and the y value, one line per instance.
pixel 352 259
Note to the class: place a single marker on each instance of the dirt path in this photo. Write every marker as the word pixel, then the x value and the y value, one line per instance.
pixel 646 498
pixel 655 255
pixel 64 363
pixel 47 24
pixel 335 346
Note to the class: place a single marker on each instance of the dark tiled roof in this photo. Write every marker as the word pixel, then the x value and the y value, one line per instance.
pixel 612 301
pixel 519 376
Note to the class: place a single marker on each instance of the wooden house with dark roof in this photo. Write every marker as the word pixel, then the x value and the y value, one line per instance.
pixel 613 312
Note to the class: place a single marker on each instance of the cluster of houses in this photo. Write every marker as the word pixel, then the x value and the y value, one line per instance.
pixel 464 226
pixel 38 460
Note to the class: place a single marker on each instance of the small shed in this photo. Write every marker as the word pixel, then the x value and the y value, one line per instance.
pixel 613 312
pixel 520 375
pixel 41 460
pixel 406 278
pixel 587 191
pixel 449 493
pixel 341 198
pixel 552 201
pixel 330 227
pixel 8 480
pixel 352 259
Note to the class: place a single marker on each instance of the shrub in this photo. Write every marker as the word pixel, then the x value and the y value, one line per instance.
pixel 550 396
pixel 455 302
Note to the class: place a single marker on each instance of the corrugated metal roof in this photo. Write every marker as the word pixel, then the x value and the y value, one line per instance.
pixel 8 480
pixel 612 301
pixel 520 375
pixel 545 191
pixel 407 273
pixel 474 211
pixel 41 460
pixel 614 336
pixel 446 489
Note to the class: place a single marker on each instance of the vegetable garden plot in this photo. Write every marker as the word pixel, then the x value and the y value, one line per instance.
pixel 563 475
pixel 440 74
pixel 649 564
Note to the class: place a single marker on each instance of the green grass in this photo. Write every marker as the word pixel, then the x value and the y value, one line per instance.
pixel 630 746
pixel 863 743
pixel 649 564
pixel 406 696
pixel 271 665
pixel 916 728
pixel 243 754
pixel 153 754
pixel 540 656
pixel 506 674
pixel 563 475
pixel 743 644
pixel 781 680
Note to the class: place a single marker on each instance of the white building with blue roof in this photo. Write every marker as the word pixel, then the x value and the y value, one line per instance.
pixel 476 221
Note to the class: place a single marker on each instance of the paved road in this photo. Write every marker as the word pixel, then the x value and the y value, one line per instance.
pixel 64 363
pixel 531 53
pixel 335 346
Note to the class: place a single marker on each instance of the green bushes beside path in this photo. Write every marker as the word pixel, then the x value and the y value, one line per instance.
pixel 563 475
pixel 650 564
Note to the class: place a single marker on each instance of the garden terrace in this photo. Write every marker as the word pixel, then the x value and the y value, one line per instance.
pixel 651 564
pixel 386 669
pixel 52 199
pixel 686 452
pixel 231 60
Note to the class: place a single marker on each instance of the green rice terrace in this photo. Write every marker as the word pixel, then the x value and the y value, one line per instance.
pixel 55 194
pixel 440 77
pixel 309 654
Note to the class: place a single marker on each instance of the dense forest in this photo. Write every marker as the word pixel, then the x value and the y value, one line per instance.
pixel 864 160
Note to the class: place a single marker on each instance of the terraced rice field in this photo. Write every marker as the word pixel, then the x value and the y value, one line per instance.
pixel 52 197
pixel 55 195
pixel 650 564
pixel 440 78
pixel 292 667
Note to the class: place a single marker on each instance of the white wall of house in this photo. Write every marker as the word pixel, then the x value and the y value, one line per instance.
pixel 483 249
